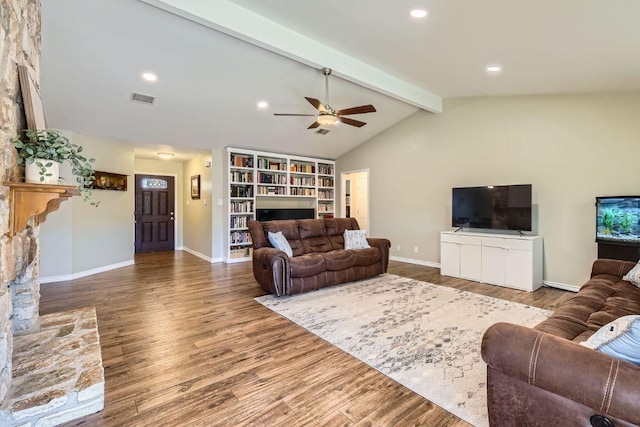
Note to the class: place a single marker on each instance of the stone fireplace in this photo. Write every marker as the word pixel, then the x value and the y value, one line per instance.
pixel 50 366
pixel 19 295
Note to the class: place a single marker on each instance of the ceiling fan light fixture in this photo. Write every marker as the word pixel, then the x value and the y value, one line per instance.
pixel 327 119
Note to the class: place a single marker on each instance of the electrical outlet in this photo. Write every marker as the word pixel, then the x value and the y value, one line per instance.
pixel 398 248
pixel 415 249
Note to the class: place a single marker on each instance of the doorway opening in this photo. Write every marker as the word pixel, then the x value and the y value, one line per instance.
pixel 154 213
pixel 355 197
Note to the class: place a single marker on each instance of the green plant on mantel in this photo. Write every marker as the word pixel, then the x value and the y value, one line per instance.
pixel 45 144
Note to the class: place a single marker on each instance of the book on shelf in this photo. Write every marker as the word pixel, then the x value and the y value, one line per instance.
pixel 241 161
pixel 296 191
pixel 240 177
pixel 303 167
pixel 325 169
pixel 241 207
pixel 241 190
pixel 272 164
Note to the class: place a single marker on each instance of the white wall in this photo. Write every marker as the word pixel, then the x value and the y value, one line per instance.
pixel 81 238
pixel 198 213
pixel 219 194
pixel 572 148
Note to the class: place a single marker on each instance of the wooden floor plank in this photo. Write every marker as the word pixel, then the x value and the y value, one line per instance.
pixel 184 344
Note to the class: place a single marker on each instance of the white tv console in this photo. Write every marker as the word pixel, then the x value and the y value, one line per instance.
pixel 498 259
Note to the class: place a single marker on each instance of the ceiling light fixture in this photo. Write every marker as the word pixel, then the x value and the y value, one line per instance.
pixel 166 156
pixel 494 69
pixel 418 13
pixel 150 77
pixel 327 119
pixel 262 104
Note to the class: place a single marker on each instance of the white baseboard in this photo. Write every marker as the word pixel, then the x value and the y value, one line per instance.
pixel 67 277
pixel 235 260
pixel 199 255
pixel 563 286
pixel 415 261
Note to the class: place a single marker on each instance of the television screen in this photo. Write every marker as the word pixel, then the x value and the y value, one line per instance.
pixel 500 207
pixel 273 214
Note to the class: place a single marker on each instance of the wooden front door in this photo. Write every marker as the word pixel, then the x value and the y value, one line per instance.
pixel 154 214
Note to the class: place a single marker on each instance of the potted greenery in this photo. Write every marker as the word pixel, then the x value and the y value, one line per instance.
pixel 42 151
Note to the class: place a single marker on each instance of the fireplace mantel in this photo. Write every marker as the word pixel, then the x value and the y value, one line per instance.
pixel 34 200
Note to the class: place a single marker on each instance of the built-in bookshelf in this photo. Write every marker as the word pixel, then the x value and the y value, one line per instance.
pixel 302 178
pixel 272 175
pixel 326 190
pixel 241 205
pixel 256 176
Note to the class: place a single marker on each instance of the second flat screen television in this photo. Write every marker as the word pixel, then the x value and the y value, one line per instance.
pixel 499 207
pixel 276 214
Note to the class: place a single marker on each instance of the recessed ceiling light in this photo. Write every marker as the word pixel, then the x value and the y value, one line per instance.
pixel 263 104
pixel 494 69
pixel 418 13
pixel 166 156
pixel 150 77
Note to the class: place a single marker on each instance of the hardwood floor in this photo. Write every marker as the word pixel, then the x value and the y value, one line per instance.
pixel 184 344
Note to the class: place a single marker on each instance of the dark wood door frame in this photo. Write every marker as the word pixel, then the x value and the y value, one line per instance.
pixel 154 214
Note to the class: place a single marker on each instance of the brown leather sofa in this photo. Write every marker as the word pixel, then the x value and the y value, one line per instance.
pixel 541 377
pixel 319 258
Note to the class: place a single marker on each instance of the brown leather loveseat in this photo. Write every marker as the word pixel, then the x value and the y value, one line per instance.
pixel 541 376
pixel 319 258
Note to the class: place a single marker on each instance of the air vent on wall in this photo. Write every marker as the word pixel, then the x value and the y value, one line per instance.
pixel 322 131
pixel 142 99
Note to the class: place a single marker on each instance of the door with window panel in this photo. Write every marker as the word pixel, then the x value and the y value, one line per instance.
pixel 155 213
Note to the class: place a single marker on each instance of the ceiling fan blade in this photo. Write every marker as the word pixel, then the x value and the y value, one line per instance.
pixel 358 110
pixel 351 122
pixel 314 125
pixel 292 114
pixel 316 104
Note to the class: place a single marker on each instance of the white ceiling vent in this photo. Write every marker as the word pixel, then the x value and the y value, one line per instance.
pixel 322 131
pixel 142 99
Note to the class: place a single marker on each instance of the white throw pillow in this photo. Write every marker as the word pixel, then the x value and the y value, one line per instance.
pixel 619 339
pixel 355 239
pixel 633 276
pixel 278 241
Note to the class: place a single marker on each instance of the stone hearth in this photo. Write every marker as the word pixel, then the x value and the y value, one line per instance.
pixel 57 371
pixel 50 366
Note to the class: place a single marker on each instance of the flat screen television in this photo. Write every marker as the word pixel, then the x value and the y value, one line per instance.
pixel 499 207
pixel 274 214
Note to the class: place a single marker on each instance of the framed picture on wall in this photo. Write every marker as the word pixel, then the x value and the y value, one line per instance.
pixel 195 187
pixel 33 108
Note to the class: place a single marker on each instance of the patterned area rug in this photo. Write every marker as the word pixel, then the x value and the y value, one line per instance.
pixel 424 336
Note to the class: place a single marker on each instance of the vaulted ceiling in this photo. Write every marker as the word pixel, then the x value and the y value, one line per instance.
pixel 215 60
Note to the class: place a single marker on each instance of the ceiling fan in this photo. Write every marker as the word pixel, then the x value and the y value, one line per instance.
pixel 327 115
